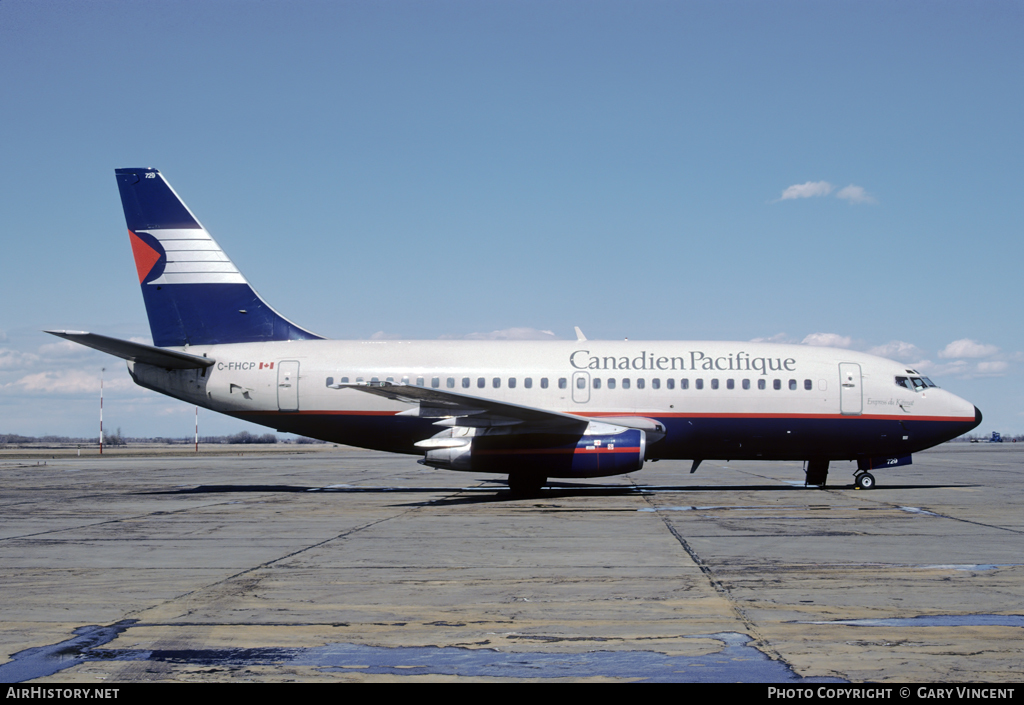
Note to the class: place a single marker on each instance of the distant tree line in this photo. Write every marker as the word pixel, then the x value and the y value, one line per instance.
pixel 118 439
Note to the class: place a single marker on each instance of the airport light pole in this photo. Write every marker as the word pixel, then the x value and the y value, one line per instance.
pixel 102 370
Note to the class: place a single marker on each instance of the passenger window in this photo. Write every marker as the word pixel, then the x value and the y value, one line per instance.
pixel 562 383
pixel 597 382
pixel 359 380
pixel 405 380
pixel 640 383
pixel 670 383
pixel 375 379
pixel 808 385
pixel 698 383
pixel 581 383
pixel 746 384
pixel 435 382
pixel 330 381
pixel 792 385
pixel 714 383
pixel 730 384
pixel 655 383
pixel 496 382
pixel 419 381
pixel 528 382
pixel 625 382
pixel 465 382
pixel 451 383
pixel 761 384
pixel 776 384
pixel 543 382
pixel 511 382
pixel 611 383
pixel 390 380
pixel 481 382
pixel 684 383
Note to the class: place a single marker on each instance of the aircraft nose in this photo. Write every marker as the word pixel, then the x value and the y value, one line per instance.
pixel 977 417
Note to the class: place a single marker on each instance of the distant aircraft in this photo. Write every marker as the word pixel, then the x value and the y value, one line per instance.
pixel 532 409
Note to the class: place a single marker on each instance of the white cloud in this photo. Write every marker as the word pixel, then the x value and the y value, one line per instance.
pixel 777 338
pixel 16 360
pixel 69 382
pixel 963 368
pixel 992 367
pixel 855 194
pixel 807 190
pixel 898 350
pixel 63 349
pixel 507 334
pixel 816 189
pixel 381 335
pixel 828 340
pixel 968 348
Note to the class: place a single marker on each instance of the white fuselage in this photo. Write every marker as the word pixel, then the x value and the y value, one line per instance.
pixel 716 399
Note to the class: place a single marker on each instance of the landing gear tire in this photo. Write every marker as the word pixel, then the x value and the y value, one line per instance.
pixel 526 485
pixel 864 481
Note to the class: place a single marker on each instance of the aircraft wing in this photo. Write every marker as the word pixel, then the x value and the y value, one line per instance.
pixel 136 352
pixel 465 410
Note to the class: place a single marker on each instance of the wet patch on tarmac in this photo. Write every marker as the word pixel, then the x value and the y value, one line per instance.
pixel 47 660
pixel 941 620
pixel 737 662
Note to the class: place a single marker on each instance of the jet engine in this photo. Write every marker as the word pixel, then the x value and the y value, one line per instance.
pixel 603 449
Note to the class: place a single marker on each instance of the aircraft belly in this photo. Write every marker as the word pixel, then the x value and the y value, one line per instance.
pixel 735 438
pixel 797 438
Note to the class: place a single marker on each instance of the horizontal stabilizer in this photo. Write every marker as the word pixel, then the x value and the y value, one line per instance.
pixel 136 352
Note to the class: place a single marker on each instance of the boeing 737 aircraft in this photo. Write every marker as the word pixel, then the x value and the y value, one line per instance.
pixel 532 410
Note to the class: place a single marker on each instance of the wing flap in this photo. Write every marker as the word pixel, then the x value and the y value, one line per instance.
pixel 465 410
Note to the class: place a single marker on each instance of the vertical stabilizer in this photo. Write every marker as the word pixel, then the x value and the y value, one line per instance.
pixel 194 294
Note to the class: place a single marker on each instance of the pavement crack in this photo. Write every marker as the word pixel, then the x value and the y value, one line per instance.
pixel 759 640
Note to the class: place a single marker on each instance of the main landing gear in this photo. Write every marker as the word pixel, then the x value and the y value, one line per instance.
pixel 526 484
pixel 864 481
pixel 816 473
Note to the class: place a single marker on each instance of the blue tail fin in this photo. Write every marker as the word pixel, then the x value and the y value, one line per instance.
pixel 194 295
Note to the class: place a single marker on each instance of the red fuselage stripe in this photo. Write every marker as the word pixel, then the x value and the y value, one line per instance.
pixel 652 414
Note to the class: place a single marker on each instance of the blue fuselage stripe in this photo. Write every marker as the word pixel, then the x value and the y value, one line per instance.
pixel 734 438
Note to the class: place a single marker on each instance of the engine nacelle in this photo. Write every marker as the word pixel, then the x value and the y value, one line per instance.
pixel 602 450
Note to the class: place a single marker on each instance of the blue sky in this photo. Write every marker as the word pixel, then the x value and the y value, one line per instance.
pixel 841 172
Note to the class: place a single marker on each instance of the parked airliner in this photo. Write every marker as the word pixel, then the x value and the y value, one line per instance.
pixel 532 409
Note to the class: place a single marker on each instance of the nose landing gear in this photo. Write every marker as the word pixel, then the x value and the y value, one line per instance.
pixel 864 481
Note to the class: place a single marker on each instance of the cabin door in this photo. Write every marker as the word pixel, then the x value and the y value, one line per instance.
pixel 851 396
pixel 288 385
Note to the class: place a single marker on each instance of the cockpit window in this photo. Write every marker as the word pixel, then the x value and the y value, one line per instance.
pixel 915 384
